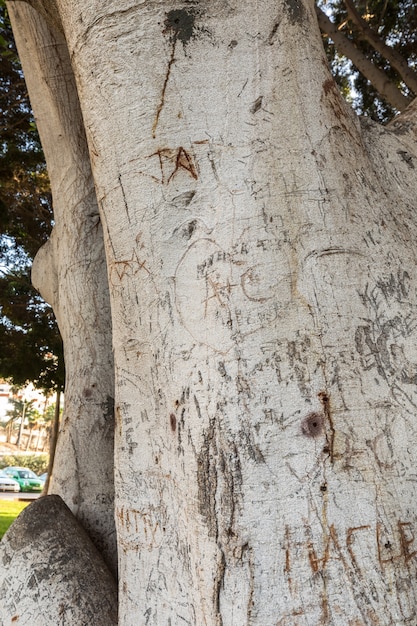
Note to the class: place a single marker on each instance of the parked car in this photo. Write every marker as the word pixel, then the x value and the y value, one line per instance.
pixel 8 484
pixel 43 477
pixel 27 479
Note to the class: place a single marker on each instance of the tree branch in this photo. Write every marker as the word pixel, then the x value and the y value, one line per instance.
pixel 406 123
pixel 395 59
pixel 382 84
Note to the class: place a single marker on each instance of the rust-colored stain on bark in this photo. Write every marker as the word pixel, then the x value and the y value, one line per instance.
pixel 328 86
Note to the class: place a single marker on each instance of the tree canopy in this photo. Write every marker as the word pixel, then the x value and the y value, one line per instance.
pixel 372 49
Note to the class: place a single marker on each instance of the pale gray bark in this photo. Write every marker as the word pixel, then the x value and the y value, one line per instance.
pixel 70 272
pixel 51 573
pixel 261 256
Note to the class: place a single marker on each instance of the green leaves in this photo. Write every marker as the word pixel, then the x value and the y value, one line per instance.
pixel 394 23
pixel 30 344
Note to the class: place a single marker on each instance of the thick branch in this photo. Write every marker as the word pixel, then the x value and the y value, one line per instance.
pixel 378 78
pixel 395 59
pixel 49 11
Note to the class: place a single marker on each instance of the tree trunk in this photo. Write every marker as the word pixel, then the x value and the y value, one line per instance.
pixel 68 581
pixel 29 439
pixel 260 250
pixel 70 273
pixel 21 425
pixel 53 441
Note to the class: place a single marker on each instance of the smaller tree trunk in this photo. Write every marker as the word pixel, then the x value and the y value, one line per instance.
pixel 9 430
pixel 39 437
pixel 29 439
pixel 21 427
pixel 53 440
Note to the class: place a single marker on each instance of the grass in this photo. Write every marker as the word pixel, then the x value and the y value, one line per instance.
pixel 9 510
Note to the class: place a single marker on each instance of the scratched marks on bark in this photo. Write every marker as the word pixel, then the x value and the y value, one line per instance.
pixel 234 290
pixel 179 26
pixel 166 164
pixel 385 342
pixel 350 553
pixel 126 267
pixel 141 529
pixel 172 161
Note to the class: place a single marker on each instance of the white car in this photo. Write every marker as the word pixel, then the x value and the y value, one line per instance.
pixel 8 484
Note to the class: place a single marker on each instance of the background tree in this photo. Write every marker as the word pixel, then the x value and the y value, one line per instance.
pixel 21 411
pixel 30 343
pixel 34 421
pixel 25 199
pixel 372 49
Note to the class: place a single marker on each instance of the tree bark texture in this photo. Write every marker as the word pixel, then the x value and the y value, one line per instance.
pixel 260 248
pixel 70 272
pixel 67 581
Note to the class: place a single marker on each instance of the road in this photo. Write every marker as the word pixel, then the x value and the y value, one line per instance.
pixel 8 495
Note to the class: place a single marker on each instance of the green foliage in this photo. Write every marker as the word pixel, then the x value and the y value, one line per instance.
pixel 38 463
pixel 18 407
pixel 30 344
pixel 25 200
pixel 395 21
pixel 49 414
pixel 24 191
pixel 9 510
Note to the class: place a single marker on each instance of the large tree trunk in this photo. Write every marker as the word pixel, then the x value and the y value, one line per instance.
pixel 261 254
pixel 70 272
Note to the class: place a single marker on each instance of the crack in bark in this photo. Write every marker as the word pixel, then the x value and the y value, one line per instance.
pixel 207 482
pixel 218 586
pixel 162 101
pixel 273 32
pixel 179 24
pixel 124 197
pixel 219 489
pixel 325 401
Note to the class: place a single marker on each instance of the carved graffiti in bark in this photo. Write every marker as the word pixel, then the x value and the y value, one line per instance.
pixel 127 267
pixel 171 161
pixel 221 278
pixel 390 544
